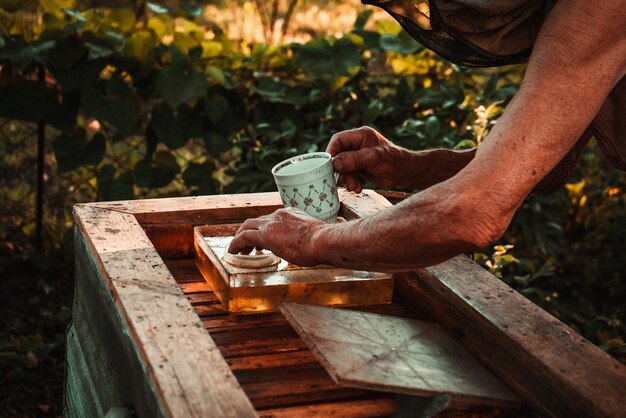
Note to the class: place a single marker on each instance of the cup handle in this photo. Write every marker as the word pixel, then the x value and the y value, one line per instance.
pixel 336 176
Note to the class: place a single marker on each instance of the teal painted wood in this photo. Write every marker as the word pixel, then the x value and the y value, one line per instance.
pixel 81 400
pixel 112 365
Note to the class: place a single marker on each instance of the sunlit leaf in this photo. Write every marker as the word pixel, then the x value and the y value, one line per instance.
pixel 156 8
pixel 121 19
pixel 56 6
pixel 6 22
pixel 211 49
pixel 401 44
pixel 139 44
pixel 161 25
pixel 191 9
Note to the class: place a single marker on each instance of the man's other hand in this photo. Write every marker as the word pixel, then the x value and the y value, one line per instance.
pixel 289 233
pixel 363 153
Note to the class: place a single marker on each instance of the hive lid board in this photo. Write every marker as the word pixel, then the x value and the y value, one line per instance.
pixel 391 354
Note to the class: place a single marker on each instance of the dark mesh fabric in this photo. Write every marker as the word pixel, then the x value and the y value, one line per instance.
pixel 478 33
pixel 491 33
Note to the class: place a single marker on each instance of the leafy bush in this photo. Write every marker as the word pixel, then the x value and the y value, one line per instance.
pixel 154 102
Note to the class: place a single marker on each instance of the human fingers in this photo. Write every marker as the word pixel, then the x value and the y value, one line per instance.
pixel 245 241
pixel 351 139
pixel 351 161
pixel 252 223
pixel 352 184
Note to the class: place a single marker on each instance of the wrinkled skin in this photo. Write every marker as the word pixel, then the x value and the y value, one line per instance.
pixel 468 198
pixel 289 222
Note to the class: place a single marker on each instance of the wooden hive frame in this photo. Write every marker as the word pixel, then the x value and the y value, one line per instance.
pixel 147 323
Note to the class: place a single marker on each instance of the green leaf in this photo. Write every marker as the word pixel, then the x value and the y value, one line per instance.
pixel 200 177
pixel 319 59
pixel 158 173
pixel 166 127
pixel 72 150
pixel 432 127
pixel 191 9
pixel 80 76
pixel 178 82
pixel 122 187
pixel 490 88
pixel 139 45
pixel 222 77
pixel 66 52
pixel 55 6
pixel 402 44
pixel 23 54
pixel 157 8
pixel 94 152
pixel 75 14
pixel 215 107
pixel 112 101
pixel 121 20
pixel 362 18
pixel 99 47
pixel 277 92
pixel 216 142
pixel 32 101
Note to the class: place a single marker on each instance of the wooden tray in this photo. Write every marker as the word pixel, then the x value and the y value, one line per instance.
pixel 262 290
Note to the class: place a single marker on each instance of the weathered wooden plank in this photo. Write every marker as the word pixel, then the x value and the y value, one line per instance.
pixel 549 365
pixel 272 360
pixel 195 287
pixel 114 365
pixel 190 376
pixel 169 222
pixel 253 348
pixel 553 368
pixel 399 355
pixel 81 399
pixel 360 408
pixel 297 386
pixel 198 210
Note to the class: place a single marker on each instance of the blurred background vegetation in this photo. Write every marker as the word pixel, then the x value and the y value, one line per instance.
pixel 106 100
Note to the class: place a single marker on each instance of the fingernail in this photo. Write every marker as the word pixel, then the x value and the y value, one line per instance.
pixel 338 164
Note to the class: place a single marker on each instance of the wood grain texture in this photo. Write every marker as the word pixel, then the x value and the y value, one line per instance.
pixel 278 371
pixel 190 376
pixel 102 340
pixel 557 371
pixel 399 355
pixel 169 222
pixel 549 365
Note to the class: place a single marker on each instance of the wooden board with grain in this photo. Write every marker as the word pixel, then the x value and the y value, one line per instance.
pixel 399 355
pixel 182 364
pixel 278 372
pixel 555 371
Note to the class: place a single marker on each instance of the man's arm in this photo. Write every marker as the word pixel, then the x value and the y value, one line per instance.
pixel 579 56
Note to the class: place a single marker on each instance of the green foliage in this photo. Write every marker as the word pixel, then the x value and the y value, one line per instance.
pixel 152 102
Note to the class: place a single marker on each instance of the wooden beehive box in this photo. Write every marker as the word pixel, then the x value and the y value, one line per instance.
pixel 149 334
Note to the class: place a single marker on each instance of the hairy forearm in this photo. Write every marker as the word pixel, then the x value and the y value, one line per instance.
pixel 426 168
pixel 430 167
pixel 423 230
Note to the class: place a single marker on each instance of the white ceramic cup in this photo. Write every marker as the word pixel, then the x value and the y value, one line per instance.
pixel 308 182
